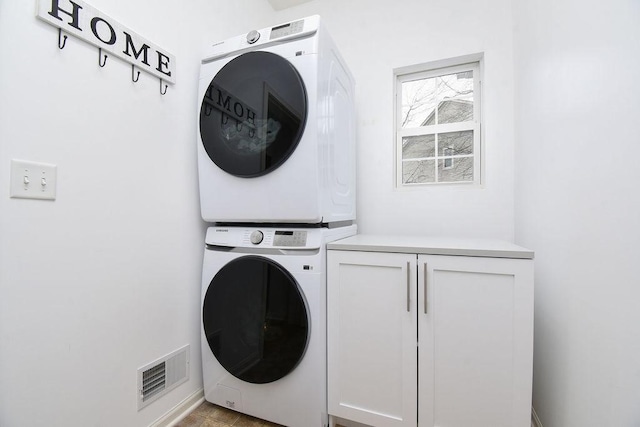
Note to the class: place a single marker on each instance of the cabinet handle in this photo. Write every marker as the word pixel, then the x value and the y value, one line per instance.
pixel 408 286
pixel 425 287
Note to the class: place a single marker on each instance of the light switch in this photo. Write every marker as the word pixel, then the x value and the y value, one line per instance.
pixel 33 180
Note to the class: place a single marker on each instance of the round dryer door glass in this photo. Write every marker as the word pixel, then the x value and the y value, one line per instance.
pixel 255 320
pixel 253 114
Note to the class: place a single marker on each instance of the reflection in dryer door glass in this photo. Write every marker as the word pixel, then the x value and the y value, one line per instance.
pixel 249 138
pixel 253 114
pixel 241 131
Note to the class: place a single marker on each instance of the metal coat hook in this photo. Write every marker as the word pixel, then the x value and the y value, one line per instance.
pixel 165 88
pixel 62 40
pixel 136 78
pixel 100 62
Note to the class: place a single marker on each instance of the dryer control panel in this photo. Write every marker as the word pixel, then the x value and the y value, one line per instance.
pixel 287 29
pixel 259 39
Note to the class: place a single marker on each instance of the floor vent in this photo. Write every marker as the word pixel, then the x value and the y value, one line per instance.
pixel 160 377
pixel 153 381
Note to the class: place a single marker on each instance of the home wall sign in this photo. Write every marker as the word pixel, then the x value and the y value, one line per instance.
pixel 83 21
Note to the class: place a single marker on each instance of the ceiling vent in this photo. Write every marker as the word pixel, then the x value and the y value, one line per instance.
pixel 160 377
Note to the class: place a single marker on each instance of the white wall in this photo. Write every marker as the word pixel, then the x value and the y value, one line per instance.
pixel 377 37
pixel 106 278
pixel 578 204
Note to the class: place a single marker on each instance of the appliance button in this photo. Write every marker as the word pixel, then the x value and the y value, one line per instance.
pixel 256 237
pixel 253 36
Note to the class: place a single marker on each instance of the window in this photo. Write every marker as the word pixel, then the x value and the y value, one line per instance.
pixel 438 126
pixel 448 160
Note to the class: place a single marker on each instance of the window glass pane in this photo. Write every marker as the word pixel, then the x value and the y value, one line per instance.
pixel 455 95
pixel 454 111
pixel 418 101
pixel 455 169
pixel 451 93
pixel 455 143
pixel 419 146
pixel 415 172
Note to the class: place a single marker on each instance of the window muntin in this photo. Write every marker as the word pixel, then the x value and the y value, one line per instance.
pixel 438 126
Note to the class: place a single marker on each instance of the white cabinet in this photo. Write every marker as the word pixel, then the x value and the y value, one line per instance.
pixel 429 340
pixel 372 359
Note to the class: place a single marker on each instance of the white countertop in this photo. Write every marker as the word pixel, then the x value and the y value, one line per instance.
pixel 432 246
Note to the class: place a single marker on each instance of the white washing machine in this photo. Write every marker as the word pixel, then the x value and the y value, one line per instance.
pixel 276 130
pixel 264 322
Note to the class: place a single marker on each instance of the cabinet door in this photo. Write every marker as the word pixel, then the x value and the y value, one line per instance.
pixel 475 341
pixel 372 355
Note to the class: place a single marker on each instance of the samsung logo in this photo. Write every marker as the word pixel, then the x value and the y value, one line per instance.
pixel 222 230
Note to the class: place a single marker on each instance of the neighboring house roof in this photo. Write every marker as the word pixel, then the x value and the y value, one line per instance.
pixel 451 111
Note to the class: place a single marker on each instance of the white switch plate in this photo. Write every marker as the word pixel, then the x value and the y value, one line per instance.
pixel 33 180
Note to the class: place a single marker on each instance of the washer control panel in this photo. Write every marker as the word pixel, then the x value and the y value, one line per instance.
pixel 256 237
pixel 265 238
pixel 295 238
pixel 275 238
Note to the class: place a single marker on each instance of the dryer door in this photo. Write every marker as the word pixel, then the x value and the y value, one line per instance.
pixel 255 319
pixel 253 114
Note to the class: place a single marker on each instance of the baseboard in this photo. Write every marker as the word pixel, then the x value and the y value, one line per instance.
pixel 181 410
pixel 535 421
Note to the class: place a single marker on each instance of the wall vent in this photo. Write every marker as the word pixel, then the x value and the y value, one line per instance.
pixel 163 375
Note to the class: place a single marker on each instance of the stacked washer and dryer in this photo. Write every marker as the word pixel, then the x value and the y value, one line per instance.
pixel 276 162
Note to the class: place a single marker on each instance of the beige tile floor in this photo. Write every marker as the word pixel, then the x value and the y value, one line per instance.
pixel 210 415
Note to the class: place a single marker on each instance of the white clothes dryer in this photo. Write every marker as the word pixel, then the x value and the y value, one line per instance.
pixel 264 338
pixel 276 128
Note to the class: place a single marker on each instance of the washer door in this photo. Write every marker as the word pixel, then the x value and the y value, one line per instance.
pixel 253 114
pixel 255 319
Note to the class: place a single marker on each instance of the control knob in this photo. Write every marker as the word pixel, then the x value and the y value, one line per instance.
pixel 253 36
pixel 256 237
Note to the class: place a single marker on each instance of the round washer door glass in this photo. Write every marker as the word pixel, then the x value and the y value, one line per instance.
pixel 255 319
pixel 253 114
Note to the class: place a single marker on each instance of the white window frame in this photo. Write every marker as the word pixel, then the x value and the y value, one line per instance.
pixel 432 70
